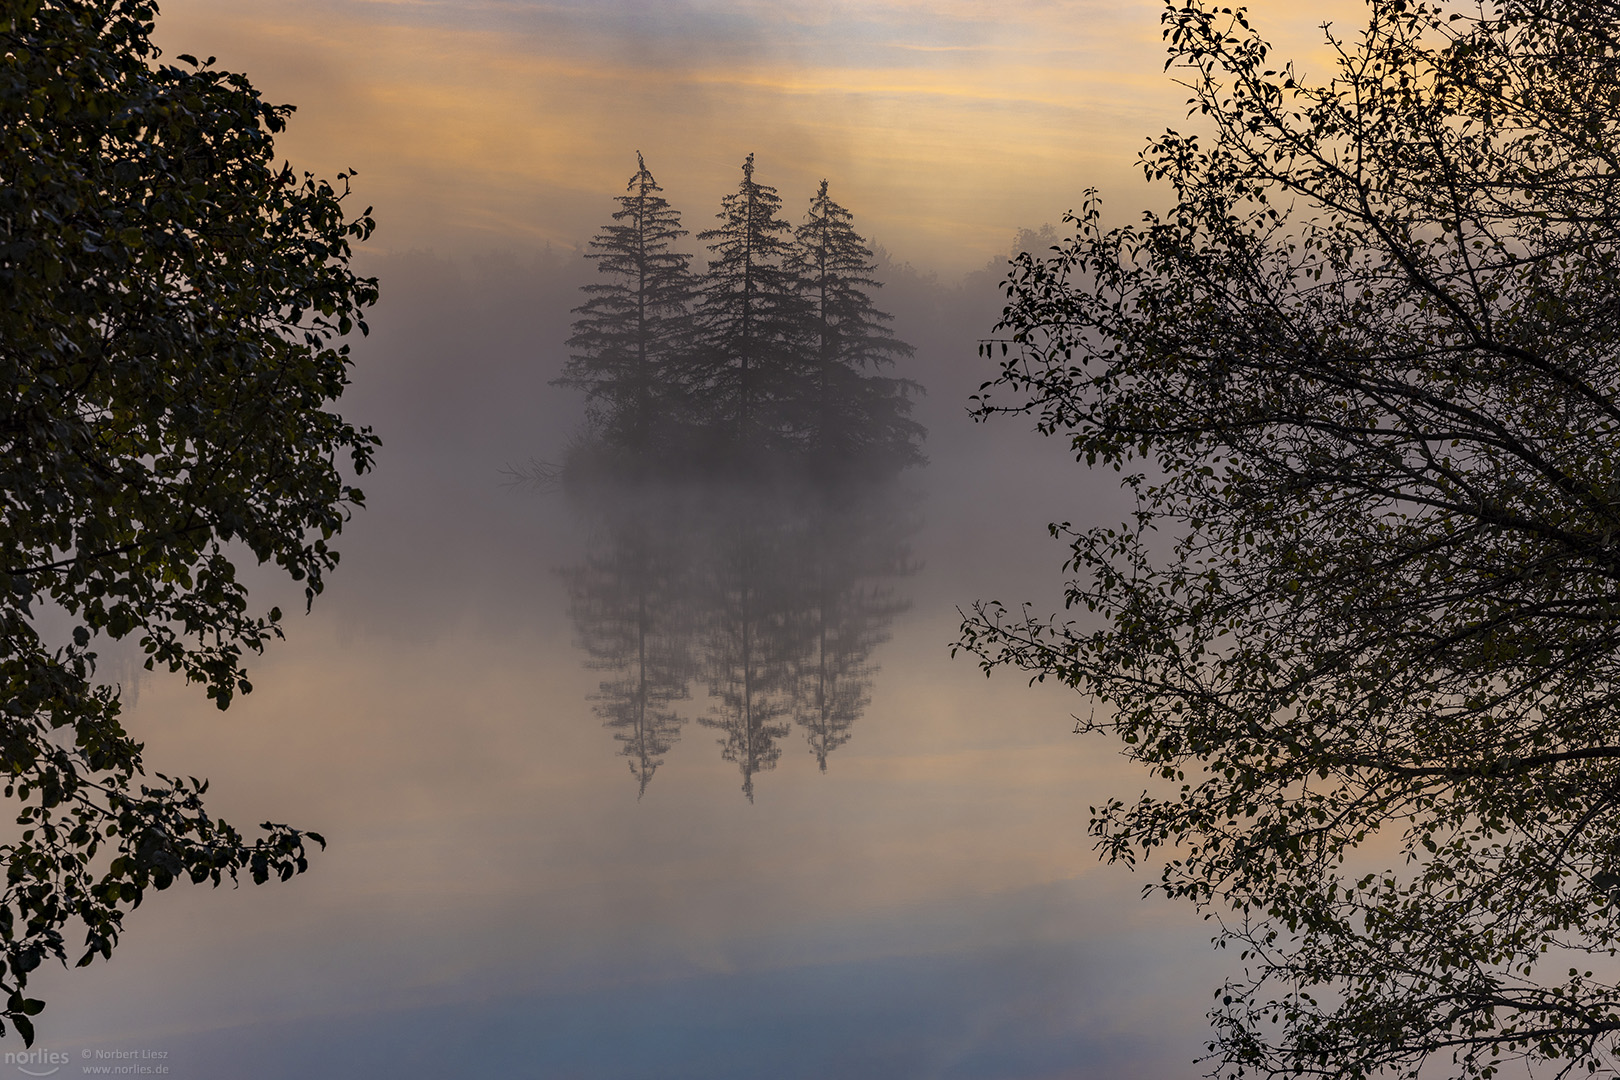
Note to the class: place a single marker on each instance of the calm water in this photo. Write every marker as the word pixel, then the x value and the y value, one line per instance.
pixel 668 783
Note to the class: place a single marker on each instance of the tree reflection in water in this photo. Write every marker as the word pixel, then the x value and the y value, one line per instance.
pixel 772 597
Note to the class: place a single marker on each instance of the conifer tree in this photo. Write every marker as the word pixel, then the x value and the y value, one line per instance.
pixel 852 410
pixel 750 314
pixel 636 324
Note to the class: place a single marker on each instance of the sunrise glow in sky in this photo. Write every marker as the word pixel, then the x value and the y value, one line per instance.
pixel 945 125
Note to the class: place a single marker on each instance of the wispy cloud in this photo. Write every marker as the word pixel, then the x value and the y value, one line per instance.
pixel 947 123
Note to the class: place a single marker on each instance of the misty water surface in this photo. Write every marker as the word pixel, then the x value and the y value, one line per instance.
pixel 657 781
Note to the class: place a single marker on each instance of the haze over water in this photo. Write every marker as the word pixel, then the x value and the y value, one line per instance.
pixel 884 871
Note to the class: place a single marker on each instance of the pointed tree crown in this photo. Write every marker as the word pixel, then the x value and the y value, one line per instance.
pixel 835 268
pixel 636 322
pixel 751 236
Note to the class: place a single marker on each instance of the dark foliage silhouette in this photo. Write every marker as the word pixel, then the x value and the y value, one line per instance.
pixel 1362 379
pixel 750 364
pixel 853 413
pixel 635 330
pixel 167 355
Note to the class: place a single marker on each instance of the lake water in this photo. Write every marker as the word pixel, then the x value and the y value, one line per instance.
pixel 684 783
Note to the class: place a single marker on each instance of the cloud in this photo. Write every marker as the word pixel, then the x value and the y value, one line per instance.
pixel 946 128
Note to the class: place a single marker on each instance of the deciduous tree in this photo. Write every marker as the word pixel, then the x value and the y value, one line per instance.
pixel 169 304
pixel 1363 379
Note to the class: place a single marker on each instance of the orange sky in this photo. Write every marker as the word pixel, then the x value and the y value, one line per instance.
pixel 945 125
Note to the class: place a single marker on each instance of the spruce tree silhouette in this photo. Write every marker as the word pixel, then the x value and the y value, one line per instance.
pixel 751 319
pixel 849 411
pixel 636 327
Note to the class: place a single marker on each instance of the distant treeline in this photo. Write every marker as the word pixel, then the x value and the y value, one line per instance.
pixel 773 356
